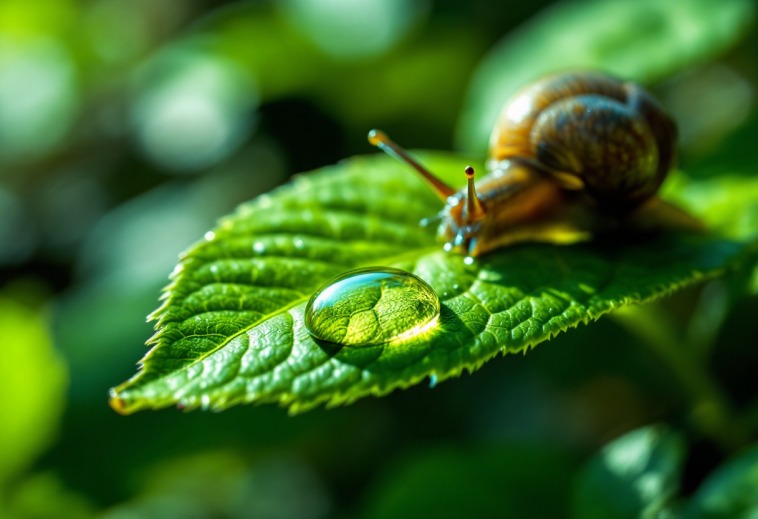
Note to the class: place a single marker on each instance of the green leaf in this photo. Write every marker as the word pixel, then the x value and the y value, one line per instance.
pixel 227 484
pixel 730 492
pixel 641 40
pixel 231 327
pixel 44 495
pixel 492 481
pixel 33 383
pixel 634 476
pixel 728 203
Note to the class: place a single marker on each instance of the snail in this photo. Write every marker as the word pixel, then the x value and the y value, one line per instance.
pixel 572 156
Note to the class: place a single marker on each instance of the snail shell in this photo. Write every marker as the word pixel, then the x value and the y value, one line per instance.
pixel 592 132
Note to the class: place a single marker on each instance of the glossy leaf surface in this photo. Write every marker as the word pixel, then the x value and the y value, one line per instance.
pixel 231 328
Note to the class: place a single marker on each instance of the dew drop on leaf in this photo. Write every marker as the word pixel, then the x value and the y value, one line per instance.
pixel 371 305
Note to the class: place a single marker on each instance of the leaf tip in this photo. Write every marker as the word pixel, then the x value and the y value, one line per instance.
pixel 121 404
pixel 117 403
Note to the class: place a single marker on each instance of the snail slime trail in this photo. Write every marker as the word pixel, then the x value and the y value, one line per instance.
pixel 371 306
pixel 572 155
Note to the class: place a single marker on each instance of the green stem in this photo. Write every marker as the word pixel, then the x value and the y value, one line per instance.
pixel 710 408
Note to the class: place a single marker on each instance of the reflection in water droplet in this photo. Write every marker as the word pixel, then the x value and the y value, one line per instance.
pixel 371 306
pixel 432 380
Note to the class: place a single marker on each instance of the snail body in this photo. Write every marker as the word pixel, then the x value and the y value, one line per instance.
pixel 572 155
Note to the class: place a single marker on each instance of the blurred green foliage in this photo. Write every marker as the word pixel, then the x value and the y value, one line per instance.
pixel 635 476
pixel 485 481
pixel 729 491
pixel 33 383
pixel 728 203
pixel 644 41
pixel 128 126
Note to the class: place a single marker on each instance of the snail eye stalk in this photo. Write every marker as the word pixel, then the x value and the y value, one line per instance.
pixel 474 208
pixel 380 139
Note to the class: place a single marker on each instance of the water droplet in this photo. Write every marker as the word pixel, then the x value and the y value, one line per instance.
pixel 259 247
pixel 432 380
pixel 210 235
pixel 371 306
pixel 468 260
pixel 299 244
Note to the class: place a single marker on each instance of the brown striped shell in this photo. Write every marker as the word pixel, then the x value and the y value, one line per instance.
pixel 589 131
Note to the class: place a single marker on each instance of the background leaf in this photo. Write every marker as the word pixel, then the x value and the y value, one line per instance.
pixel 731 491
pixel 634 476
pixel 231 326
pixel 44 496
pixel 33 382
pixel 486 481
pixel 729 203
pixel 227 484
pixel 640 40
